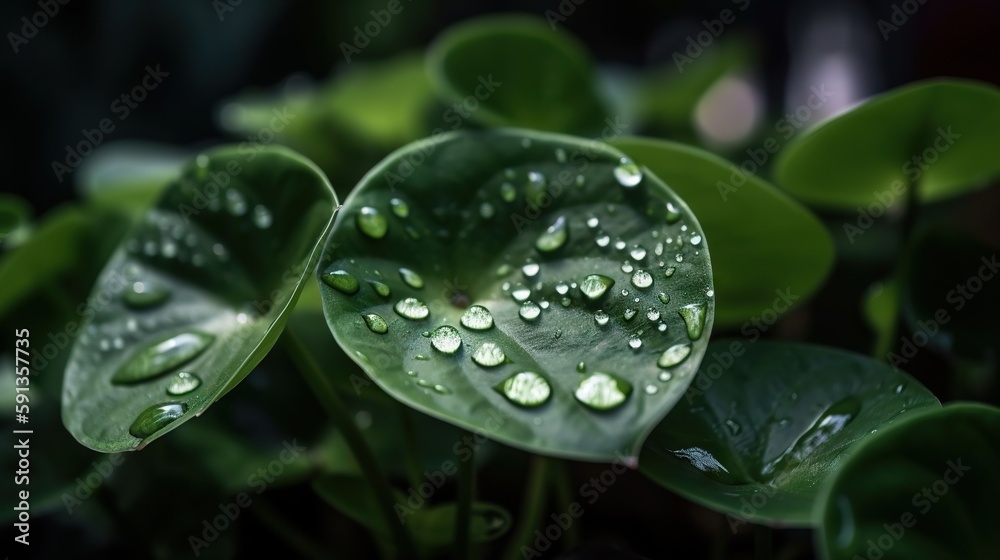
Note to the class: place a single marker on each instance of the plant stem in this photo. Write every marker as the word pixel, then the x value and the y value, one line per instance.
pixel 533 507
pixel 763 547
pixel 463 513
pixel 288 532
pixel 560 480
pixel 370 468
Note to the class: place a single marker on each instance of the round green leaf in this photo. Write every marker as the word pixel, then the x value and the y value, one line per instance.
pixel 764 244
pixel 763 425
pixel 923 488
pixel 202 285
pixel 516 71
pixel 938 135
pixel 500 280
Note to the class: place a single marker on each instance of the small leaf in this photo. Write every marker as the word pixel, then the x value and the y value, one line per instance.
pixel 566 269
pixel 764 245
pixel 231 260
pixel 881 310
pixel 517 71
pixel 763 425
pixel 925 487
pixel 939 136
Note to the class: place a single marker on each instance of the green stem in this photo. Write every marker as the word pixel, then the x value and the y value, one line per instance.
pixel 560 480
pixel 763 547
pixel 370 468
pixel 295 538
pixel 463 513
pixel 532 509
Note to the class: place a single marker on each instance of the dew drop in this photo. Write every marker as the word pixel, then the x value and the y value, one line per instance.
pixel 342 281
pixel 372 223
pixel 669 272
pixel 665 376
pixel 593 222
pixel 652 314
pixel 520 294
pixel 155 418
pixel 489 355
pixel 412 308
pixel 830 422
pixel 508 192
pixel 674 355
pixel 595 286
pixel 695 239
pixel 526 389
pixel 162 355
pixel 634 343
pixel 380 288
pixel 627 267
pixel 642 279
pixel 236 204
pixel 664 298
pixel 581 367
pixel 183 383
pixel 262 217
pixel 375 323
pixel 486 210
pixel 627 173
pixel 446 339
pixel 603 240
pixel 651 389
pixel 411 278
pixel 638 253
pixel 601 318
pixel 529 311
pixel 554 237
pixel 562 289
pixel 477 318
pixel 143 295
pixel 630 314
pixel 694 318
pixel 530 269
pixel 602 391
pixel 399 207
pixel 673 213
pixel 620 245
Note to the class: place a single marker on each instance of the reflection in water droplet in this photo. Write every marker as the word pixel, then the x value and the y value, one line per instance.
pixel 489 355
pixel 634 343
pixel 694 318
pixel 665 376
pixel 526 389
pixel 627 173
pixel 601 318
pixel 375 323
pixel 183 383
pixel 562 289
pixel 554 237
pixel 412 308
pixel 652 314
pixel 446 339
pixel 581 367
pixel 529 311
pixel 642 279
pixel 602 391
pixel 155 418
pixel 262 217
pixel 695 239
pixel 637 253
pixel 143 295
pixel 833 420
pixel 380 288
pixel 593 222
pixel 651 389
pixel 595 285
pixel 673 213
pixel 669 272
pixel 674 355
pixel 530 269
pixel 627 267
pixel 372 223
pixel 629 314
pixel 411 278
pixel 399 207
pixel 664 298
pixel 162 355
pixel 477 318
pixel 520 294
pixel 603 240
pixel 342 281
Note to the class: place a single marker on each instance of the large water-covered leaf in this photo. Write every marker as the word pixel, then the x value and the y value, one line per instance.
pixel 517 71
pixel 923 488
pixel 768 252
pixel 538 288
pixel 939 136
pixel 765 424
pixel 195 296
